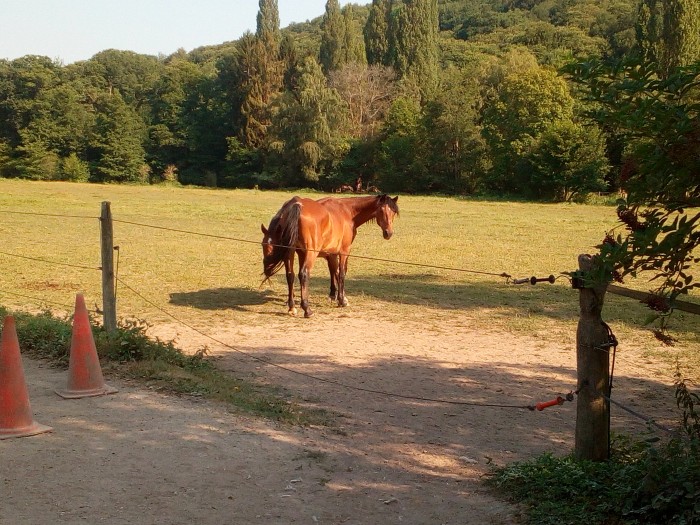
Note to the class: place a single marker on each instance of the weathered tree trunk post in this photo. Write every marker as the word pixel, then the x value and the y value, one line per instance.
pixel 592 361
pixel 109 299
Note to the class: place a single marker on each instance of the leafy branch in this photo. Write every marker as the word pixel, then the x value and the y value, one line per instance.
pixel 657 119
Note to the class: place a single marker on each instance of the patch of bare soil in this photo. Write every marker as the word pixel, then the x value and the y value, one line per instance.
pixel 140 456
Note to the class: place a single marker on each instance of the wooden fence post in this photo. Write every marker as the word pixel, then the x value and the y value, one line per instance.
pixel 592 361
pixel 109 300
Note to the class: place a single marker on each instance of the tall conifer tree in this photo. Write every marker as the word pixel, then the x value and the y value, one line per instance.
pixel 263 74
pixel 376 33
pixel 668 32
pixel 413 51
pixel 681 35
pixel 354 45
pixel 332 54
pixel 268 23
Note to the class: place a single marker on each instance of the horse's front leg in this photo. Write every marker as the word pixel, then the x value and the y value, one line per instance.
pixel 289 271
pixel 342 270
pixel 306 263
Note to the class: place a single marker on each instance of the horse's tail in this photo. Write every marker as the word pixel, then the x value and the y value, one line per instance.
pixel 284 237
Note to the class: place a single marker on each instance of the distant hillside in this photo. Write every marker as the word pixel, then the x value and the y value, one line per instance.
pixel 551 29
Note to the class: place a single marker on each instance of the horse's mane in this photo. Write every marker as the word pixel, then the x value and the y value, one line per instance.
pixel 283 231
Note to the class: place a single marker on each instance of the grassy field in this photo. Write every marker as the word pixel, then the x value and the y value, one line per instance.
pixel 205 279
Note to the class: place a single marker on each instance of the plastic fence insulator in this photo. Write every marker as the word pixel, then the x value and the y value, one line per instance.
pixel 534 280
pixel 558 401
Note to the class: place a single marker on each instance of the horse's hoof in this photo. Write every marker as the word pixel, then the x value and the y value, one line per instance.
pixel 308 314
pixel 292 312
pixel 344 302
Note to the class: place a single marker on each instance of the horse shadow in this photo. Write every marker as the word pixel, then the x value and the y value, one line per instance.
pixel 555 301
pixel 435 291
pixel 222 298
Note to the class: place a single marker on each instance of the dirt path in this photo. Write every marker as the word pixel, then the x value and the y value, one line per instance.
pixel 143 457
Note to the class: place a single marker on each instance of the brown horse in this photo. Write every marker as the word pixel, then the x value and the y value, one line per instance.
pixel 272 236
pixel 324 228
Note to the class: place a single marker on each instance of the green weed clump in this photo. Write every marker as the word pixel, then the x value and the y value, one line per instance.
pixel 646 482
pixel 43 335
pixel 129 352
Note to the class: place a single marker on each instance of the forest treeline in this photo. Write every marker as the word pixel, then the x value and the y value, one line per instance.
pixel 420 96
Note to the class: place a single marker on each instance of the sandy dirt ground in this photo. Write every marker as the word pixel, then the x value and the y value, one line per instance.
pixel 144 457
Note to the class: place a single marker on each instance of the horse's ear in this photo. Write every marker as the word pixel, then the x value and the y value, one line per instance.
pixel 395 199
pixel 263 229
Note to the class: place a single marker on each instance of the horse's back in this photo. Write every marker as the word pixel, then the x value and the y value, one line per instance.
pixel 323 224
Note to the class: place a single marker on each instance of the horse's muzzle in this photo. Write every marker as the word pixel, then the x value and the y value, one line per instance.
pixel 268 266
pixel 387 234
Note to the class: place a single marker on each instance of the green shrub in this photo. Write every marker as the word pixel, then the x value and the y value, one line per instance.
pixel 44 336
pixel 645 483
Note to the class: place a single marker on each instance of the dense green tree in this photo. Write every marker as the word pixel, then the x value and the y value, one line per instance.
pixel 22 82
pixel 261 85
pixel 35 161
pixel 612 20
pixel 552 45
pixel 254 108
pixel 523 101
pixel 681 34
pixel 309 129
pixel 454 148
pixel 166 101
pixel 117 148
pixel 206 120
pixel 168 132
pixel 5 159
pixel 132 74
pixel 400 163
pixel 46 117
pixel 566 162
pixel 467 20
pixel 60 120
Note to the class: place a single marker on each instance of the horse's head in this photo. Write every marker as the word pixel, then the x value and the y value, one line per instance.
pixel 275 241
pixel 267 244
pixel 387 209
pixel 270 262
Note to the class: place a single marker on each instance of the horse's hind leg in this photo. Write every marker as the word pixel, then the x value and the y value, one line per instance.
pixel 333 272
pixel 289 271
pixel 306 262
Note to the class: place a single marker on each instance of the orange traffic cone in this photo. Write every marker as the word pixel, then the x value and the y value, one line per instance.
pixel 84 372
pixel 16 418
